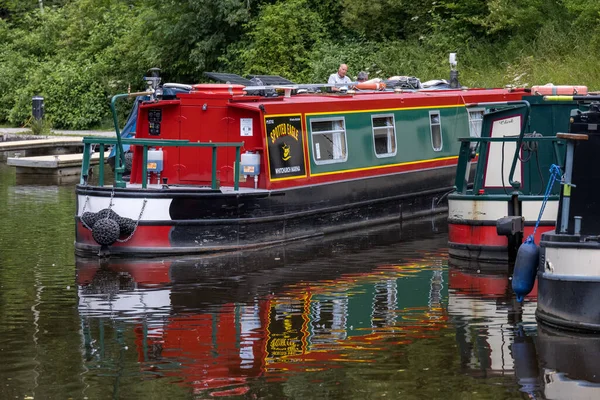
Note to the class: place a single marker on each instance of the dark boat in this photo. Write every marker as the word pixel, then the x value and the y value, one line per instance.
pixel 569 264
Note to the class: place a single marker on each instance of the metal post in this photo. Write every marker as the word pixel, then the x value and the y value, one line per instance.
pixel 101 166
pixel 566 204
pixel 85 164
pixel 144 166
pixel 37 107
pixel 213 184
pixel 236 169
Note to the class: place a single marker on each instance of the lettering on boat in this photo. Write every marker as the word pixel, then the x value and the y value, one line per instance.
pixel 285 146
pixel 282 130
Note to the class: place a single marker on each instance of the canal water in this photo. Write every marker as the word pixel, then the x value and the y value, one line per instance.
pixel 381 313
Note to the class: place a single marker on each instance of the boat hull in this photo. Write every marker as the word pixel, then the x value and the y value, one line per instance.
pixel 195 221
pixel 569 282
pixel 472 230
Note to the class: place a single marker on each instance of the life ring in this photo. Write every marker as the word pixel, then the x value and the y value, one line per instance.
pixel 219 88
pixel 370 85
pixel 559 90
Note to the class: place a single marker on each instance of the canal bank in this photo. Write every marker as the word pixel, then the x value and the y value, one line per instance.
pixel 25 134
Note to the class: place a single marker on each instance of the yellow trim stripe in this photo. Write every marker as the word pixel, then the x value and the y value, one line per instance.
pixel 385 166
pixel 384 110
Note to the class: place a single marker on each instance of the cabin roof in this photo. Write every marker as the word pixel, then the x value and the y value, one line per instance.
pixel 374 100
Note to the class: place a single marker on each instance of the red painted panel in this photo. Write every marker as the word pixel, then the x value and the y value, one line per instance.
pixel 486 235
pixel 476 235
pixel 538 233
pixel 169 130
pixel 144 236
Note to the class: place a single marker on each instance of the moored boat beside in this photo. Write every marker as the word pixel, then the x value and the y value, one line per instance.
pixel 226 167
pixel 496 204
pixel 568 271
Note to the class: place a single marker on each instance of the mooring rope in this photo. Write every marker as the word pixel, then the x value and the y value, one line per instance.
pixel 555 174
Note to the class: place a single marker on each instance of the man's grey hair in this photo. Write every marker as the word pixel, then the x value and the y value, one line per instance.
pixel 363 76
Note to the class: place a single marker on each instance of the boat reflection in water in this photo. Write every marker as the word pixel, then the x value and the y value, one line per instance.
pixel 492 328
pixel 498 336
pixel 216 323
pixel 569 363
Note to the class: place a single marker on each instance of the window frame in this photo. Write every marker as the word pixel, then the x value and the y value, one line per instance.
pixel 439 124
pixel 387 128
pixel 313 143
pixel 469 113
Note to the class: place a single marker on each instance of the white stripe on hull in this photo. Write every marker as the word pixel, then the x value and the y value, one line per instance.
pixel 477 210
pixel 491 210
pixel 572 262
pixel 531 210
pixel 155 210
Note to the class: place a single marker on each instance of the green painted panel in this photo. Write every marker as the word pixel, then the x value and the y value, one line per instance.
pixel 413 137
pixel 548 119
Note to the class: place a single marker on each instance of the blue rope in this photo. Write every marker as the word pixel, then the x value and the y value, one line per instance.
pixel 555 174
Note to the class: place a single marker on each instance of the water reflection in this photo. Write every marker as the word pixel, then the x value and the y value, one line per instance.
pixel 497 336
pixel 569 363
pixel 216 324
pixel 494 331
pixel 378 312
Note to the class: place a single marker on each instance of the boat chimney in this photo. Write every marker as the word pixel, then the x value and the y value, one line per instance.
pixel 453 71
pixel 153 83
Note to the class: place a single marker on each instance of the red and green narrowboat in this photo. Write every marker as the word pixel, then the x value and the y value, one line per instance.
pixel 221 167
pixel 491 212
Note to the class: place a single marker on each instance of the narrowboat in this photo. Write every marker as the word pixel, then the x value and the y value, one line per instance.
pixel 496 203
pixel 568 271
pixel 225 167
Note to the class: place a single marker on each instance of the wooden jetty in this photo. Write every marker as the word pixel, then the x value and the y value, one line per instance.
pixel 57 141
pixel 38 147
pixel 59 165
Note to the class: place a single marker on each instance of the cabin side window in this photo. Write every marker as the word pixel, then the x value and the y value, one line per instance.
pixel 475 121
pixel 384 135
pixel 435 124
pixel 329 140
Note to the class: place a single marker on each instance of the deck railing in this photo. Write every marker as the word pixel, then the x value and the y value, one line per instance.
pixel 88 142
pixel 467 153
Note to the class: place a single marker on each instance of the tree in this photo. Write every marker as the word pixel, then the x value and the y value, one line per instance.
pixel 280 40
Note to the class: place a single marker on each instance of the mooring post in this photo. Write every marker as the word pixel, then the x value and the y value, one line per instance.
pixel 37 107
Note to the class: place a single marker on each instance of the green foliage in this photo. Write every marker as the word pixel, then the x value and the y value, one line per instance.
pixel 78 53
pixel 38 127
pixel 74 66
pixel 279 40
pixel 186 37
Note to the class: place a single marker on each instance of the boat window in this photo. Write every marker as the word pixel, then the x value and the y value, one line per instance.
pixel 384 135
pixel 475 121
pixel 329 140
pixel 436 130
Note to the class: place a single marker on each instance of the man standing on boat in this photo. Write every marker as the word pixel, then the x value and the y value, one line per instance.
pixel 339 77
